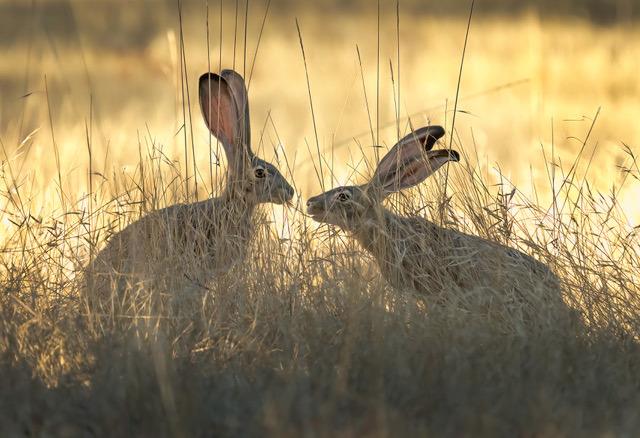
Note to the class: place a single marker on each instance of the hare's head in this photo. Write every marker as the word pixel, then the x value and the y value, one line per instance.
pixel 407 164
pixel 225 108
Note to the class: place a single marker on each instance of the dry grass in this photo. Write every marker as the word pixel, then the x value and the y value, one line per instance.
pixel 305 338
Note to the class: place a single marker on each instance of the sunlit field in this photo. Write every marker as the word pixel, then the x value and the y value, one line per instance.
pixel 100 125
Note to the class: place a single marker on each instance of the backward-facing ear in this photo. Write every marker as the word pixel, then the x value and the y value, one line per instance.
pixel 409 148
pixel 416 171
pixel 407 157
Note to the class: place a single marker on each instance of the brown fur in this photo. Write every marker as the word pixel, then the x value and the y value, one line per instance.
pixel 181 246
pixel 442 265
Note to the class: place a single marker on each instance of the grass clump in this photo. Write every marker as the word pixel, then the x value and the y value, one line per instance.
pixel 304 337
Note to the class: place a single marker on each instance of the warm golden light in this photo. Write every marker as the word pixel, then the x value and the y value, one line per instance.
pixel 495 291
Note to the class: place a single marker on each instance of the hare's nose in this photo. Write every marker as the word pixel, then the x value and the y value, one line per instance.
pixel 290 192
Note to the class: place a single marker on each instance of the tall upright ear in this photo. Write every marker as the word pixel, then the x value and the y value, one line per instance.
pixel 241 99
pixel 219 111
pixel 405 155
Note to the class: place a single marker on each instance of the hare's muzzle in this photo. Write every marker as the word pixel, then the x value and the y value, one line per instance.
pixel 285 194
pixel 281 192
pixel 315 207
pixel 289 193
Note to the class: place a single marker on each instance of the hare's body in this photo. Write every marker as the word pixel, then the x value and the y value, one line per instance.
pixel 186 242
pixel 415 254
pixel 439 263
pixel 193 242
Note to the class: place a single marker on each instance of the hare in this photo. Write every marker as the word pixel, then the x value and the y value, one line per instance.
pixel 193 241
pixel 413 253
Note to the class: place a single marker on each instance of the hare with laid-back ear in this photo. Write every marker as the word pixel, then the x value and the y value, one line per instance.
pixel 414 253
pixel 208 236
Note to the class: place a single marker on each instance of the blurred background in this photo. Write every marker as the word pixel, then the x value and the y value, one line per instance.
pixel 110 74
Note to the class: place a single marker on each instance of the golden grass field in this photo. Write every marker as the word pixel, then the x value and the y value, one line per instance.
pixel 305 338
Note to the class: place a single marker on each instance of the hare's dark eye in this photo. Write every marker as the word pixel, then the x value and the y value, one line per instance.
pixel 259 172
pixel 343 196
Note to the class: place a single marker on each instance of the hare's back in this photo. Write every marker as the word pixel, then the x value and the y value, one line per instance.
pixel 470 259
pixel 499 258
pixel 141 238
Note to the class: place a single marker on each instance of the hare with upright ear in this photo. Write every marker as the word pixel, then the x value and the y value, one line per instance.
pixel 414 253
pixel 202 238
